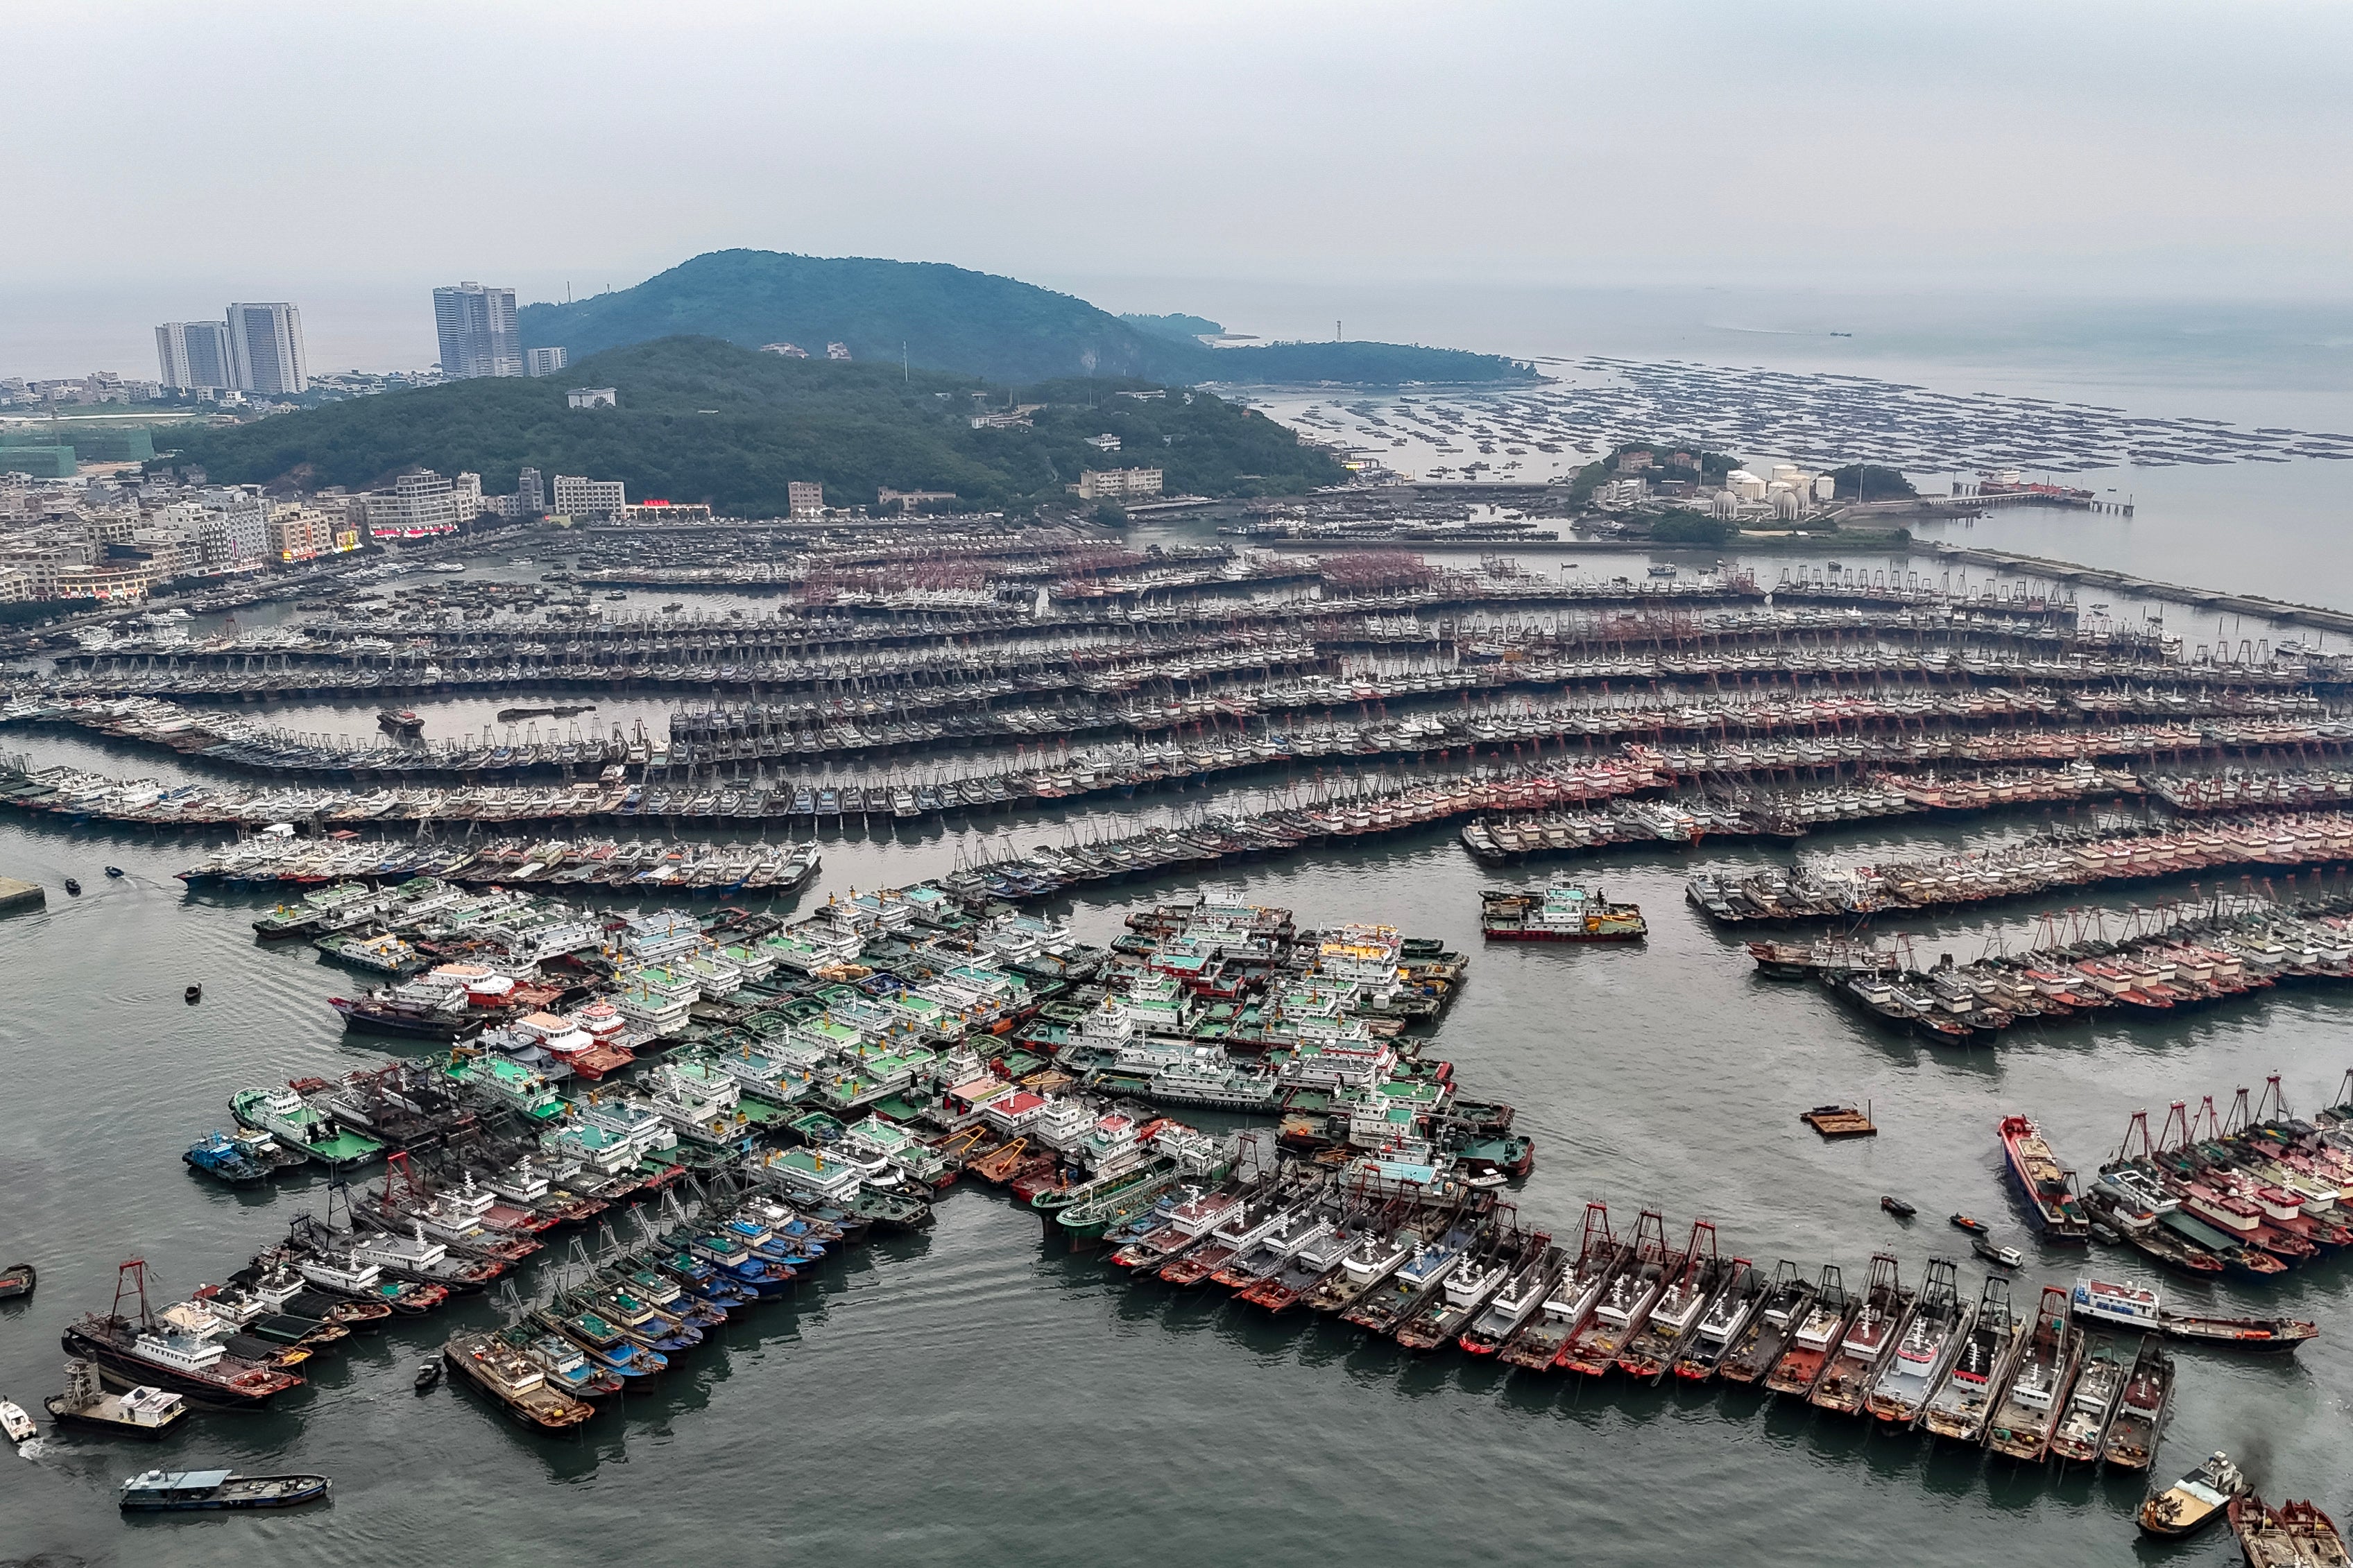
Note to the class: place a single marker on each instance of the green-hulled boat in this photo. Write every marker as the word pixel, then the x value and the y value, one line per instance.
pixel 287 1117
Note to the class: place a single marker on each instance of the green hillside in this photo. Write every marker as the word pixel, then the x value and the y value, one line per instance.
pixel 953 318
pixel 700 420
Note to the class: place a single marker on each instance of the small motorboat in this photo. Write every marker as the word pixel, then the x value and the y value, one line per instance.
pixel 194 994
pixel 115 870
pixel 14 1425
pixel 17 1279
pixel 1897 1207
pixel 1995 1253
pixel 73 887
pixel 1974 1227
pixel 2194 1501
pixel 428 1374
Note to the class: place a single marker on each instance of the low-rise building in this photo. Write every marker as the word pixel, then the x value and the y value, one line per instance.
pixel 1118 484
pixel 593 397
pixel 807 498
pixel 577 495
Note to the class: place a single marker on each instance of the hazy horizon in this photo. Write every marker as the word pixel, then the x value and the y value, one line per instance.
pixel 1163 157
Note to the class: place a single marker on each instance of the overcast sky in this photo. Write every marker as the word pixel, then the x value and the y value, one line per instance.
pixel 171 157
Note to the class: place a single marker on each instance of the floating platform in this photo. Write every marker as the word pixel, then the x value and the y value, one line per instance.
pixel 1838 1121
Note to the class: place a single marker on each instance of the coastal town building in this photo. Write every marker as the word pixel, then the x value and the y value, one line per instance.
pixel 593 397
pixel 476 327
pixel 194 355
pixel 265 349
pixel 806 499
pixel 1117 484
pixel 578 497
pixel 545 362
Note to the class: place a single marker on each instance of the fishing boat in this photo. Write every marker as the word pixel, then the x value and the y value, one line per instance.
pixel 1623 1308
pixel 17 1279
pixel 1520 1299
pixel 1975 1227
pixel 1938 1327
pixel 1676 1315
pixel 153 1491
pixel 2293 1535
pixel 2048 1194
pixel 1466 1293
pixel 1962 1401
pixel 2194 1501
pixel 1727 1317
pixel 144 1411
pixel 1815 1338
pixel 1571 912
pixel 2083 1426
pixel 2141 1410
pixel 515 1382
pixel 2027 1415
pixel 1785 1304
pixel 1898 1207
pixel 1878 1326
pixel 1571 1296
pixel 148 1350
pixel 1392 1302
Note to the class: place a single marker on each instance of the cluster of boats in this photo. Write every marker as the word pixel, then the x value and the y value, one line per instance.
pixel 2192 965
pixel 2092 857
pixel 634 866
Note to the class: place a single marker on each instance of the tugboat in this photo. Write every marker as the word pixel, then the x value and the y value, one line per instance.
pixel 153 1490
pixel 2293 1535
pixel 1973 1225
pixel 2194 1501
pixel 217 1155
pixel 145 1411
pixel 1569 913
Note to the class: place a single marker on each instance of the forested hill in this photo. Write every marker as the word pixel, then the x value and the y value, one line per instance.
pixel 700 420
pixel 952 318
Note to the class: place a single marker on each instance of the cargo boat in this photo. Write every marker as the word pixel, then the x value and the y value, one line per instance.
pixel 515 1382
pixel 1567 913
pixel 286 1116
pixel 2052 1206
pixel 155 1492
pixel 2139 1306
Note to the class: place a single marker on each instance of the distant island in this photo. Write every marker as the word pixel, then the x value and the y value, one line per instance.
pixel 700 420
pixel 953 318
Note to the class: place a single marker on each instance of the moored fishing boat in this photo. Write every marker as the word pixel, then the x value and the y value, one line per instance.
pixel 285 1115
pixel 2141 1409
pixel 1675 1316
pixel 1878 1326
pixel 1774 1318
pixel 1518 1300
pixel 1963 1401
pixel 2293 1535
pixel 2084 1425
pixel 1814 1337
pixel 145 1349
pixel 1939 1325
pixel 2023 1421
pixel 1569 1301
pixel 1723 1323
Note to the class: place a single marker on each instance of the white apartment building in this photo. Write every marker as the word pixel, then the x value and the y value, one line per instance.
pixel 577 496
pixel 1118 484
pixel 477 329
